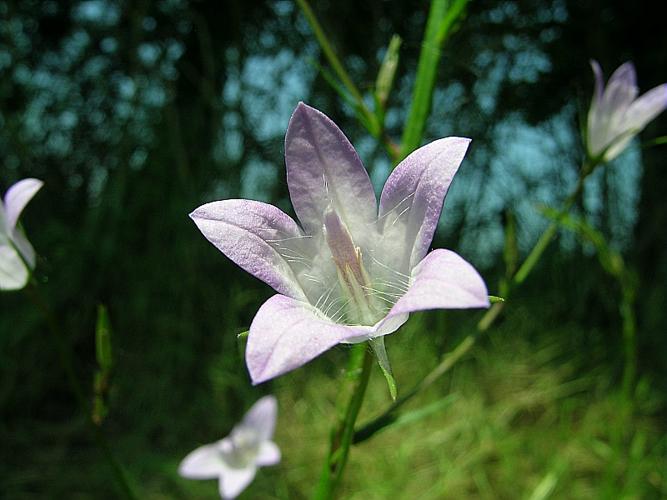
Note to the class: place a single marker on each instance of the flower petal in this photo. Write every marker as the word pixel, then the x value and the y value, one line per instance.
pixel 258 237
pixel 412 200
pixel 234 481
pixel 621 90
pixel 625 75
pixel 268 454
pixel 24 247
pixel 287 333
pixel 324 169
pixel 598 90
pixel 13 273
pixel 17 197
pixel 637 116
pixel 262 417
pixel 647 107
pixel 443 280
pixel 202 463
pixel 596 129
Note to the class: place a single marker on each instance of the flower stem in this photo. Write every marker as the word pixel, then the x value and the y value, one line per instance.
pixel 337 65
pixel 549 233
pixel 441 19
pixel 629 338
pixel 65 356
pixel 342 436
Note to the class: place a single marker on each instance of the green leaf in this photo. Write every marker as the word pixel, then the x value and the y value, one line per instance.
pixel 392 419
pixel 658 141
pixel 385 79
pixel 413 416
pixel 381 353
pixel 103 339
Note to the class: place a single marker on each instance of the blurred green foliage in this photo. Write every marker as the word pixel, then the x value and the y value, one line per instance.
pixel 135 113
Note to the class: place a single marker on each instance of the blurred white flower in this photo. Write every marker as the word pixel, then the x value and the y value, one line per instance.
pixel 17 257
pixel 616 114
pixel 234 459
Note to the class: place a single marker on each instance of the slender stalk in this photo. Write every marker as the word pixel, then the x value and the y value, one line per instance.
pixel 337 65
pixel 67 364
pixel 342 437
pixel 629 337
pixel 441 18
pixel 550 232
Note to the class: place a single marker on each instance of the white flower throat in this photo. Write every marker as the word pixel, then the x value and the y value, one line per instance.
pixel 241 448
pixel 362 306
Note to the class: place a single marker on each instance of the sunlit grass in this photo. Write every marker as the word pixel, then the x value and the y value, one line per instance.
pixel 523 420
pixel 525 415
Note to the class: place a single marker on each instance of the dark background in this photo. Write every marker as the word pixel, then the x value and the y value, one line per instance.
pixel 135 113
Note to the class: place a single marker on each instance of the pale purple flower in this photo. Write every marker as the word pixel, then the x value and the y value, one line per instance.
pixel 348 273
pixel 17 257
pixel 616 114
pixel 234 460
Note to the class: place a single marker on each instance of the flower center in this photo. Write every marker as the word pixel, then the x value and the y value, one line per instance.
pixel 241 448
pixel 361 306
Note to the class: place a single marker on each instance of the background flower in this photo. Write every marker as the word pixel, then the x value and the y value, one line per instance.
pixel 234 460
pixel 17 257
pixel 616 114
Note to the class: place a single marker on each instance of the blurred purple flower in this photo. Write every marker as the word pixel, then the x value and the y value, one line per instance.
pixel 616 114
pixel 349 273
pixel 234 459
pixel 17 257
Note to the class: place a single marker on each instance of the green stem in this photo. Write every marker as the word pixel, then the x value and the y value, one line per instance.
pixel 67 364
pixel 342 437
pixel 629 338
pixel 337 65
pixel 550 232
pixel 441 18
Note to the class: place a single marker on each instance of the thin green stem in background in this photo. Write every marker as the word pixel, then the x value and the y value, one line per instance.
pixel 342 437
pixel 441 19
pixel 368 117
pixel 65 355
pixel 550 232
pixel 627 311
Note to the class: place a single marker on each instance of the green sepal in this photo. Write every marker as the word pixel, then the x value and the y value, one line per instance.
pixel 381 353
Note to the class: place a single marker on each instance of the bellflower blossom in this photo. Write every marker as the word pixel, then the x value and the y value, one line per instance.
pixel 349 272
pixel 17 257
pixel 234 459
pixel 616 114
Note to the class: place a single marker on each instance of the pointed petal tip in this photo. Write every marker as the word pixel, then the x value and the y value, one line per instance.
pixel 595 66
pixel 303 109
pixel 17 197
pixel 625 74
pixel 452 141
